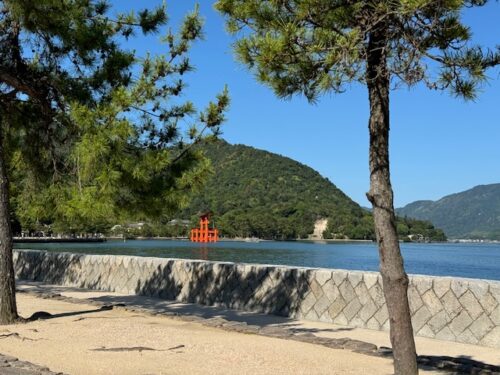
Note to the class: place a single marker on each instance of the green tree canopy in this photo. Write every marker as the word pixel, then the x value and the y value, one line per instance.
pixel 123 152
pixel 318 46
pixel 89 130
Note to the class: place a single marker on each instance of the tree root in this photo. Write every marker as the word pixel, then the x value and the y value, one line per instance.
pixel 16 336
pixel 135 349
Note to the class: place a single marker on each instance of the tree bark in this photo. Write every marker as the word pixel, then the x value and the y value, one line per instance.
pixel 8 308
pixel 395 279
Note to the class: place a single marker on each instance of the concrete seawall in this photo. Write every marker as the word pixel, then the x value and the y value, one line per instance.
pixel 454 309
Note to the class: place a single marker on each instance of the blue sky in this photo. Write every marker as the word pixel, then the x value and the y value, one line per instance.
pixel 439 145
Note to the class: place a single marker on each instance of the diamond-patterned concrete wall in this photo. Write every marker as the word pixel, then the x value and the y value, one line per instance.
pixel 463 310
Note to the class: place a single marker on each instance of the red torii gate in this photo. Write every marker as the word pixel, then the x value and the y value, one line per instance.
pixel 203 234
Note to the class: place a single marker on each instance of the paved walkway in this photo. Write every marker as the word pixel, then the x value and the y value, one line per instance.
pixel 332 336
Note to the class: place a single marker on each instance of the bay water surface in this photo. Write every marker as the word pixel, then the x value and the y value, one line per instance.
pixel 473 260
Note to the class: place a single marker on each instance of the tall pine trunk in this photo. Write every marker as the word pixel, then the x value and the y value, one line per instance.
pixel 8 309
pixel 394 277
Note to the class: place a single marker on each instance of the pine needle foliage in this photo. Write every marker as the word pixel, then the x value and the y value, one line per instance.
pixel 96 134
pixel 312 47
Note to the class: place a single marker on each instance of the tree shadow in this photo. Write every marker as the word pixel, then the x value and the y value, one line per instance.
pixel 47 288
pixel 43 315
pixel 297 328
pixel 461 364
pixel 269 290
pixel 456 365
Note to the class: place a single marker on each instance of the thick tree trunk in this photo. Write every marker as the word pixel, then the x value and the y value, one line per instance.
pixel 380 195
pixel 8 309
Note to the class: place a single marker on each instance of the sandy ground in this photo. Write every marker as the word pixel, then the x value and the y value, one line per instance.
pixel 319 227
pixel 78 342
pixel 425 346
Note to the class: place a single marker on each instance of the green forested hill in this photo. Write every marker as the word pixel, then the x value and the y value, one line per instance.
pixel 474 213
pixel 261 194
pixel 257 193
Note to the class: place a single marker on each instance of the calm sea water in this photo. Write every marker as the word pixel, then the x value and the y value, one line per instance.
pixel 448 259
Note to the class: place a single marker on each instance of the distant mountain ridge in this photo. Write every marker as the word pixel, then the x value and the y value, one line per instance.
pixel 474 213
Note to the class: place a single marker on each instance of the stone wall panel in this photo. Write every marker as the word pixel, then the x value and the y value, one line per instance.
pixel 446 308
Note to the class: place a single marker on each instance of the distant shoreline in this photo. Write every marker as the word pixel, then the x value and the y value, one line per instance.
pixel 56 240
pixel 236 239
pixel 329 240
pixel 239 239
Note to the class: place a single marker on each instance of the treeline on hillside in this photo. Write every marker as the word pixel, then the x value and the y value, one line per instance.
pixel 363 229
pixel 254 193
pixel 151 230
pixel 266 226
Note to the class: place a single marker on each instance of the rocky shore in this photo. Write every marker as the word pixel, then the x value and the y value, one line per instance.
pixel 12 366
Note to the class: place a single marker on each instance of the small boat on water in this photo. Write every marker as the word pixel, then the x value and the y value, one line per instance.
pixel 252 239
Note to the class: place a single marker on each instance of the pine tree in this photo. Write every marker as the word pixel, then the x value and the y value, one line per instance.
pixel 318 46
pixel 89 131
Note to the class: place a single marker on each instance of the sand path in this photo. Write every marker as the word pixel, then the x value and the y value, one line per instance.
pixel 110 342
